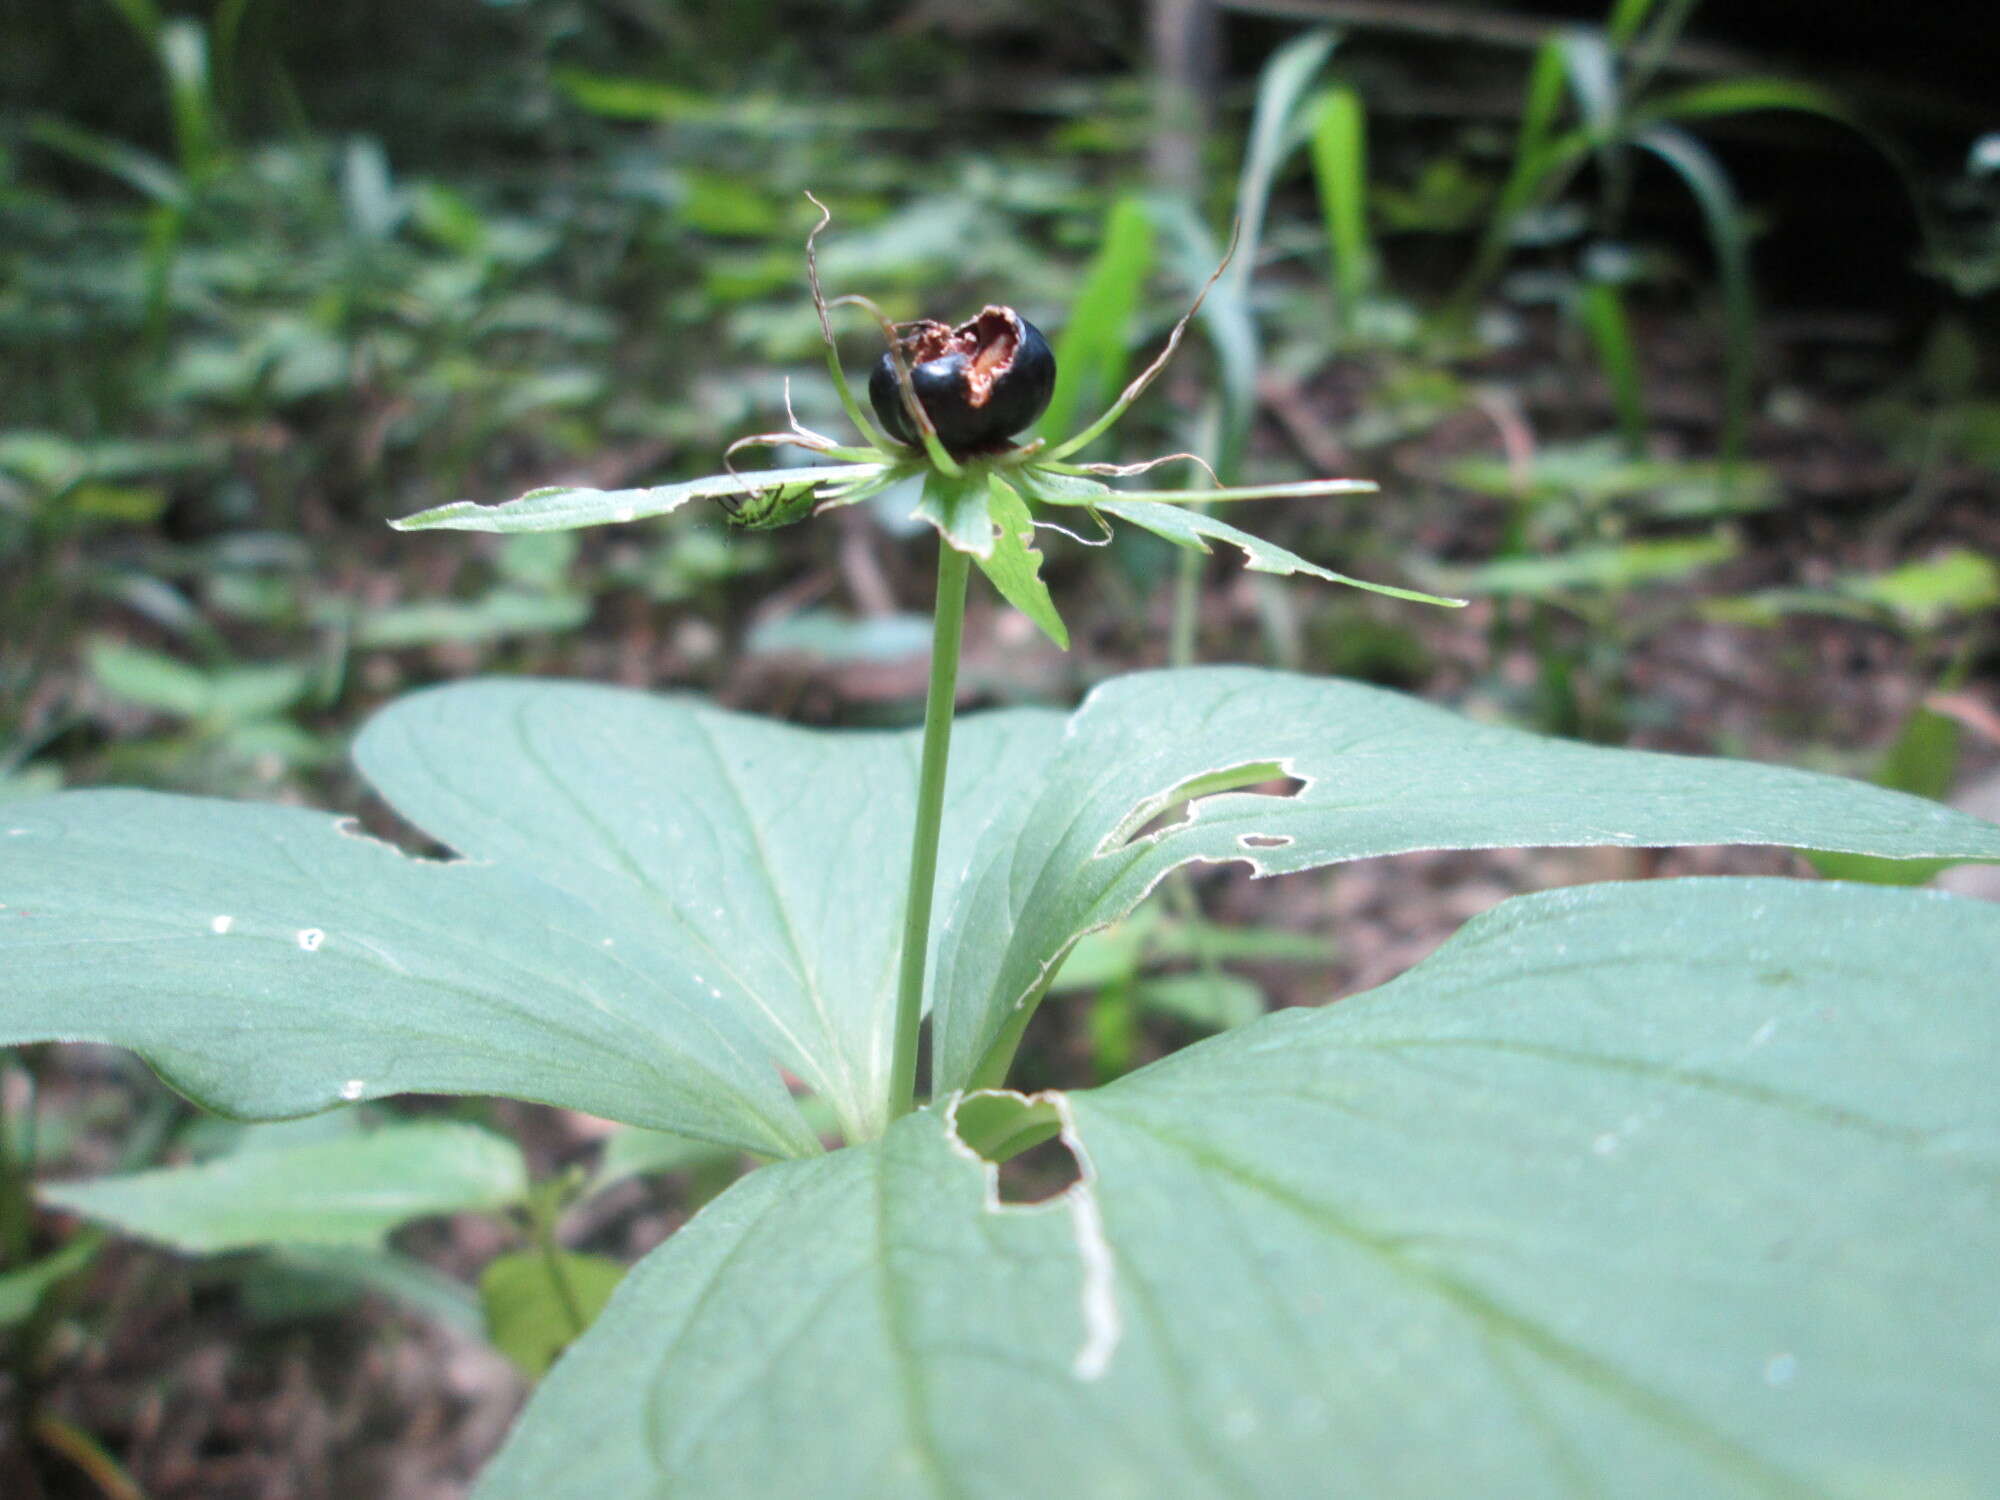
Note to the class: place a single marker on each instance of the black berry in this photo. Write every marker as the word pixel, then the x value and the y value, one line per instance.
pixel 980 382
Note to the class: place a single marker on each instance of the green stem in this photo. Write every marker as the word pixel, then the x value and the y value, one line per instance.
pixel 88 1454
pixel 16 1168
pixel 543 1211
pixel 947 628
pixel 1214 434
pixel 1187 605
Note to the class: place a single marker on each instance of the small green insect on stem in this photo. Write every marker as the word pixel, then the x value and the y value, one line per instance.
pixel 946 631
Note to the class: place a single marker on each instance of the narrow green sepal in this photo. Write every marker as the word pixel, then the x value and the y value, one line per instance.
pixel 566 508
pixel 1015 568
pixel 958 506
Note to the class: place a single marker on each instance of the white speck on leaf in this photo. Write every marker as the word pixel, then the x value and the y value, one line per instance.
pixel 354 1088
pixel 1780 1368
pixel 220 925
pixel 1605 1144
pixel 310 938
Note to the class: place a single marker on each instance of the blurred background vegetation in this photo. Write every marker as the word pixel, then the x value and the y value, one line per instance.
pixel 1668 332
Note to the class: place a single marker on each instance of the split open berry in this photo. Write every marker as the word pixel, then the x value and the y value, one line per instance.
pixel 980 382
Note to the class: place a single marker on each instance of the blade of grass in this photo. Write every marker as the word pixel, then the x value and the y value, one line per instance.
pixel 1277 128
pixel 1340 169
pixel 166 226
pixel 1627 16
pixel 1541 159
pixel 143 16
pixel 1181 217
pixel 1093 350
pixel 1730 238
pixel 1732 96
pixel 141 171
pixel 1592 69
pixel 1275 132
pixel 1652 49
pixel 1602 309
pixel 1592 72
pixel 1735 96
pixel 226 31
pixel 184 61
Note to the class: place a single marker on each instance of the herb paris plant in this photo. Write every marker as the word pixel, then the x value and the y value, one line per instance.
pixel 1632 1189
pixel 951 400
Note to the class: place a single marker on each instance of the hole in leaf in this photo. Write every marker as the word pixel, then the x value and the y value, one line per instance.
pixel 1022 1136
pixel 1174 808
pixel 1263 840
pixel 1174 817
pixel 1040 1173
pixel 999 1123
pixel 1281 785
pixel 378 821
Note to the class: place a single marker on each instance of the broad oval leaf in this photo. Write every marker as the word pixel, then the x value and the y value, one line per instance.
pixel 1679 1187
pixel 349 1191
pixel 664 903
pixel 1381 774
pixel 768 861
pixel 269 962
